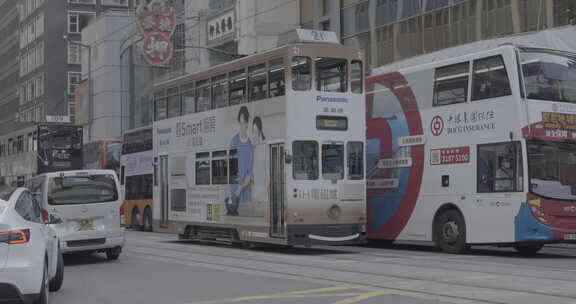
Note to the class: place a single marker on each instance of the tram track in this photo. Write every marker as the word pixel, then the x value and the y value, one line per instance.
pixel 273 267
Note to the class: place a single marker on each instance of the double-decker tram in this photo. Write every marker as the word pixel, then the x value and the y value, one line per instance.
pixel 39 149
pixel 479 148
pixel 136 175
pixel 268 148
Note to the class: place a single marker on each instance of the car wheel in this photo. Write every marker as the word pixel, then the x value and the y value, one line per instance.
pixel 528 249
pixel 43 296
pixel 135 219
pixel 113 253
pixel 147 220
pixel 57 281
pixel 451 232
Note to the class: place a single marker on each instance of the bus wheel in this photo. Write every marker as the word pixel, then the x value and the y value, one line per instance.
pixel 451 232
pixel 147 224
pixel 135 219
pixel 528 249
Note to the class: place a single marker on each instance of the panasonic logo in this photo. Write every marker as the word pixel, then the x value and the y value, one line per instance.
pixel 331 99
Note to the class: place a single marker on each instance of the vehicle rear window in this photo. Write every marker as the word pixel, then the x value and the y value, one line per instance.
pixel 85 189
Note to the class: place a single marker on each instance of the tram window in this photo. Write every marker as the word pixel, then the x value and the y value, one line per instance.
pixel 331 75
pixel 499 167
pixel 301 73
pixel 30 143
pixel 257 86
pixel 202 168
pixel 160 105
pixel 355 160
pixel 203 102
pixel 305 160
pixel 490 79
pixel 451 84
pixel 219 168
pixel 277 85
pixel 233 161
pixel 188 98
pixel 173 103
pixel 356 79
pixel 220 91
pixel 237 87
pixel 332 161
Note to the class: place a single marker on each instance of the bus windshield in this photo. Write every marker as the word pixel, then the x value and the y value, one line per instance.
pixel 549 75
pixel 552 168
pixel 85 189
pixel 113 152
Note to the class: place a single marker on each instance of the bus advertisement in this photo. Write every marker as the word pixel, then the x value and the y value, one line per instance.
pixel 476 149
pixel 243 157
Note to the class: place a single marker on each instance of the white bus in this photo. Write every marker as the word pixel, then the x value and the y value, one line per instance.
pixel 476 149
pixel 241 156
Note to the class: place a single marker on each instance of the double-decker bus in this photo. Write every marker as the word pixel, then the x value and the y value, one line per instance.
pixel 102 154
pixel 475 148
pixel 39 149
pixel 241 156
pixel 136 178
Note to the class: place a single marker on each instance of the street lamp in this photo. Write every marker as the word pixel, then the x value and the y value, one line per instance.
pixel 90 87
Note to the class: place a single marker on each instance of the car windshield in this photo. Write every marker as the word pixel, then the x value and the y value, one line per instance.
pixel 85 189
pixel 549 75
pixel 552 168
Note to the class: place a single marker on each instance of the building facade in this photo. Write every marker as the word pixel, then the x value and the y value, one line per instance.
pixel 9 73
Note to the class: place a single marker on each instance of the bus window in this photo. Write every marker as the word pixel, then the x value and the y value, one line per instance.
pixel 188 98
pixel 332 161
pixel 237 87
pixel 451 84
pixel 159 105
pixel 219 168
pixel 331 75
pixel 276 84
pixel 233 160
pixel 356 79
pixel 301 73
pixel 203 168
pixel 257 82
pixel 499 168
pixel 173 102
pixel 490 79
pixel 305 160
pixel 203 102
pixel 220 91
pixel 355 160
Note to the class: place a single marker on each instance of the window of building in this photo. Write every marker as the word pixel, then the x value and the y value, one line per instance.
pixel 82 1
pixel 188 98
pixel 219 168
pixel 173 102
pixel 237 87
pixel 160 110
pixel 305 160
pixel 220 91
pixel 277 85
pixel 451 84
pixel 301 73
pixel 39 25
pixel 115 2
pixel 203 102
pixel 203 168
pixel 74 79
pixel 331 75
pixel 500 167
pixel 490 79
pixel 356 76
pixel 326 4
pixel 74 53
pixel 257 82
pixel 79 20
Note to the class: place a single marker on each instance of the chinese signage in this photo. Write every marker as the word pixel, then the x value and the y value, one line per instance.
pixel 463 123
pixel 559 121
pixel 449 156
pixel 156 23
pixel 195 130
pixel 221 26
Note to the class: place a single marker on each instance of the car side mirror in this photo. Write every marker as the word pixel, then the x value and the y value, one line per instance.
pixel 53 219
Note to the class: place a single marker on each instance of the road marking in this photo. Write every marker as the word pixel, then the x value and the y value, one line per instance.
pixel 365 296
pixel 335 288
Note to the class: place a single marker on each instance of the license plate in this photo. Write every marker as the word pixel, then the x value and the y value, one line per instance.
pixel 84 225
pixel 570 236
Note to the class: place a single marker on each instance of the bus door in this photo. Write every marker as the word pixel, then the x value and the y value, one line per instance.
pixel 277 193
pixel 163 183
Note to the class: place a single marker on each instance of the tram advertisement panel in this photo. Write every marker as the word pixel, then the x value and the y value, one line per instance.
pixel 219 161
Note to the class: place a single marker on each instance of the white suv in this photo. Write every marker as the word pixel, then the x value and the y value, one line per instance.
pixel 30 261
pixel 89 203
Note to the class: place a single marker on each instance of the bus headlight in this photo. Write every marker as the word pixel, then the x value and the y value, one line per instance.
pixel 334 211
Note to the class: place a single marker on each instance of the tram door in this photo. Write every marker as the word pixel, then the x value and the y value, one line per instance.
pixel 163 183
pixel 277 193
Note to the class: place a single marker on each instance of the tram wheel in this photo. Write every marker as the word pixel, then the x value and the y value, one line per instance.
pixel 450 231
pixel 528 249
